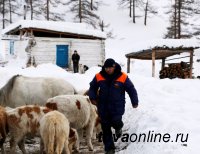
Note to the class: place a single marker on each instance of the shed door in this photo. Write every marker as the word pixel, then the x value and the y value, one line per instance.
pixel 62 55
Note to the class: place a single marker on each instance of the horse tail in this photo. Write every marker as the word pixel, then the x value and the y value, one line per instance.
pixel 9 85
pixel 7 88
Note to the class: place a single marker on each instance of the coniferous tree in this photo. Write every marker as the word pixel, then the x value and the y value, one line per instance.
pixel 7 9
pixel 91 4
pixel 50 5
pixel 149 9
pixel 83 12
pixel 3 12
pixel 47 9
pixel 126 4
pixel 105 28
pixel 10 10
pixel 31 7
pixel 182 11
pixel 131 5
pixel 134 1
pixel 143 5
pixel 173 28
pixel 196 27
pixel 36 9
pixel 25 6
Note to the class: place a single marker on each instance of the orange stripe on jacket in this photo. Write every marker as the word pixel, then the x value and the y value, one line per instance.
pixel 122 78
pixel 99 77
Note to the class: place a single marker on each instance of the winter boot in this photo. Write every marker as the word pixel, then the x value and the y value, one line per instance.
pixel 111 151
pixel 118 133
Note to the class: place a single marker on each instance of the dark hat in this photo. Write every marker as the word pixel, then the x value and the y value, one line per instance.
pixel 109 62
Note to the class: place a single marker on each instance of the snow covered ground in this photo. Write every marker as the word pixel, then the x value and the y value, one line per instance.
pixel 166 106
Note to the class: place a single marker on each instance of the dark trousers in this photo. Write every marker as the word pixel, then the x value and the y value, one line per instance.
pixel 75 67
pixel 107 133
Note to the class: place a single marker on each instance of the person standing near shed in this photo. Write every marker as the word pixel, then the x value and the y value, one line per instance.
pixel 111 83
pixel 75 59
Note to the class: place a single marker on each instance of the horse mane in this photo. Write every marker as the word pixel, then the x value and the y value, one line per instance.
pixel 75 91
pixel 7 88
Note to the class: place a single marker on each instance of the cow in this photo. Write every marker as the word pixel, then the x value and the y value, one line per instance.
pixel 22 121
pixel 3 128
pixel 55 133
pixel 80 113
pixel 21 90
pixel 97 126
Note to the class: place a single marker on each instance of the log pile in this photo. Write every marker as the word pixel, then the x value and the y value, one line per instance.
pixel 176 70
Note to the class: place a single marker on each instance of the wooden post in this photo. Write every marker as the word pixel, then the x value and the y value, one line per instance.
pixel 21 33
pixel 163 63
pixel 128 65
pixel 31 32
pixel 26 33
pixel 153 62
pixel 191 63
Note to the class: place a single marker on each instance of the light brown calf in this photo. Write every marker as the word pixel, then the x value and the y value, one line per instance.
pixel 3 128
pixel 56 133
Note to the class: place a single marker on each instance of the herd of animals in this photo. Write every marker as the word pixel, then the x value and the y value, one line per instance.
pixel 46 107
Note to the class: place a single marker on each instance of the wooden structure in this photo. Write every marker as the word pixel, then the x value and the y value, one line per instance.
pixel 161 52
pixel 55 42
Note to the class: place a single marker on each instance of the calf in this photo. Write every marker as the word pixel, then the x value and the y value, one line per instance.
pixel 3 128
pixel 22 121
pixel 80 113
pixel 55 133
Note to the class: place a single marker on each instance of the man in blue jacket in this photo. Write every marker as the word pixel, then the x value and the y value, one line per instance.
pixel 111 83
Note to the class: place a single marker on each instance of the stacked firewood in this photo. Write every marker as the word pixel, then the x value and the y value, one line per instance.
pixel 176 70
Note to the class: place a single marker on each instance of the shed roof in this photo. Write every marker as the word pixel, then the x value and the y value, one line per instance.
pixel 55 26
pixel 164 48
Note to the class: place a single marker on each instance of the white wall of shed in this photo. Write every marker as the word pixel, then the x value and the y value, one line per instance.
pixel 92 52
pixel 4 50
pixel 19 49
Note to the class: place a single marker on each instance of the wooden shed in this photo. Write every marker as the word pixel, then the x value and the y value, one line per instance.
pixel 161 49
pixel 55 42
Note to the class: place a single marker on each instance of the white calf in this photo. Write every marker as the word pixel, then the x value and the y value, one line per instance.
pixel 79 111
pixel 21 121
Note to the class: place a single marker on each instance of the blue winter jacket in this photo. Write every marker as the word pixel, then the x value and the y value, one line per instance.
pixel 111 99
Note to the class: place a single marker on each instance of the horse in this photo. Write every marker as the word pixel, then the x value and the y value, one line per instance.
pixel 21 90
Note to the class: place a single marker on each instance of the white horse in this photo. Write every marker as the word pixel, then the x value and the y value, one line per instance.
pixel 21 90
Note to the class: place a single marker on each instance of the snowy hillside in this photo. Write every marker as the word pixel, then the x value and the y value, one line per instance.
pixel 129 35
